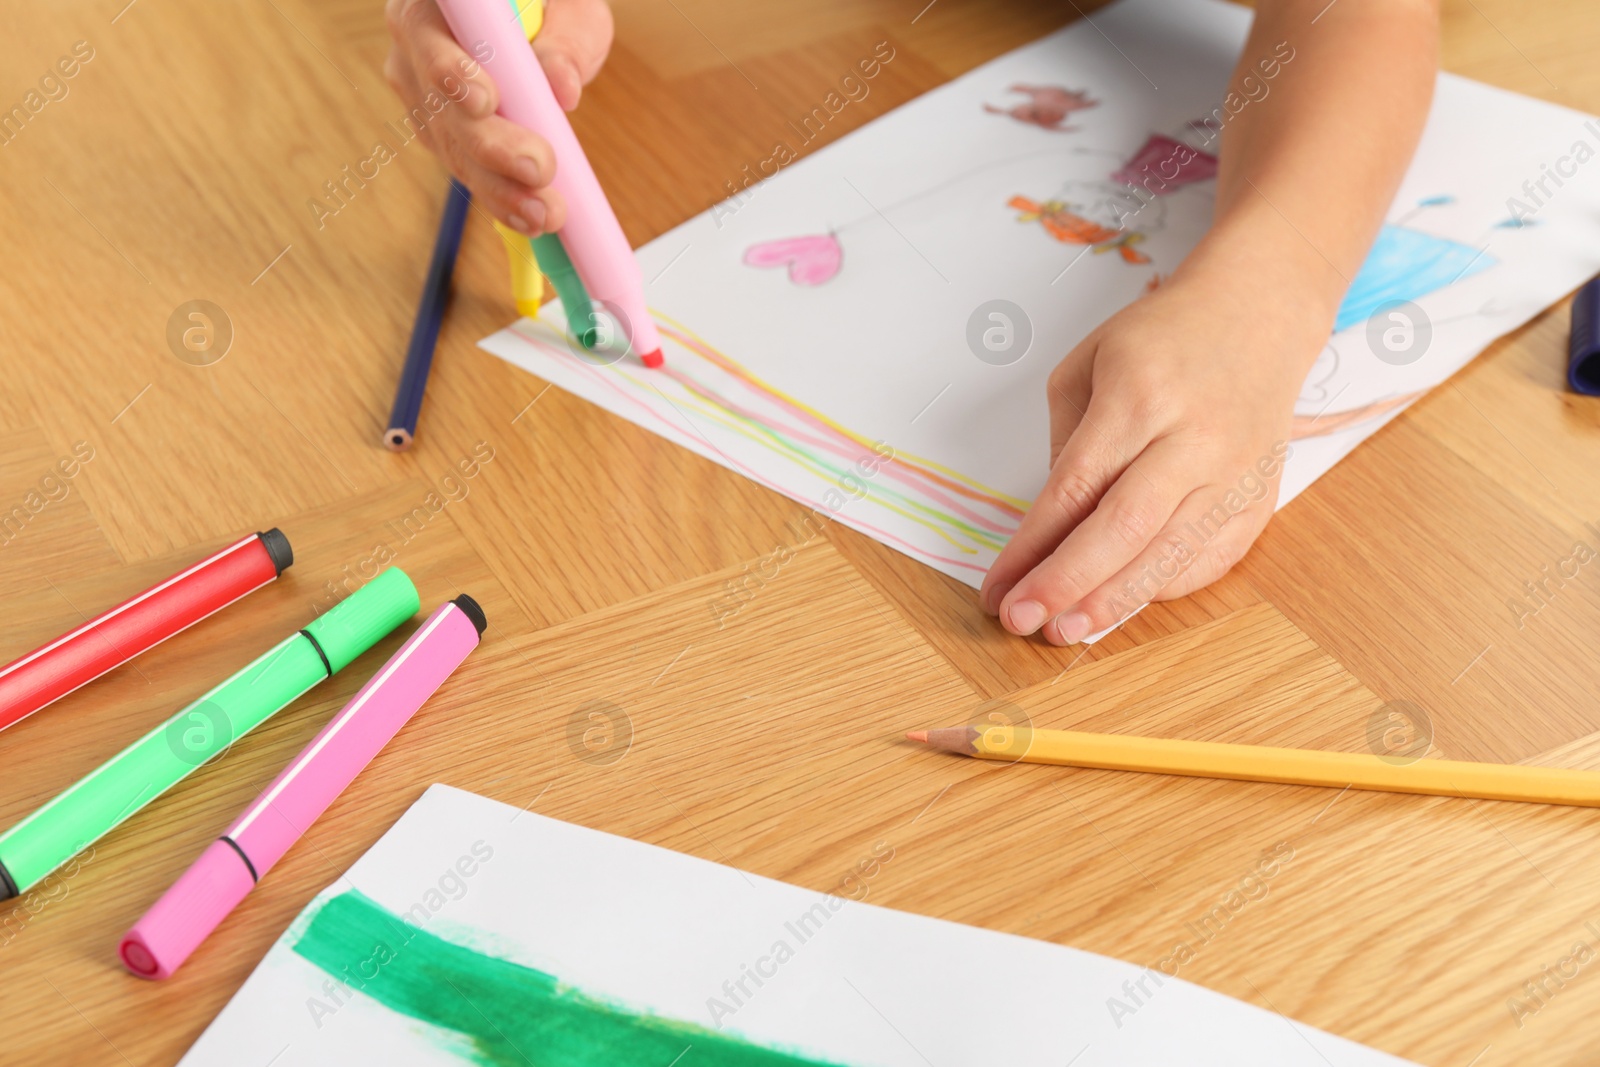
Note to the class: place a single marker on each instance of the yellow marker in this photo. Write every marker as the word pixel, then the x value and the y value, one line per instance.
pixel 527 284
pixel 1256 763
pixel 531 15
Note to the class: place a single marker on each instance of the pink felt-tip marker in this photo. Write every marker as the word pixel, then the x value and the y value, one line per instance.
pixel 592 237
pixel 226 871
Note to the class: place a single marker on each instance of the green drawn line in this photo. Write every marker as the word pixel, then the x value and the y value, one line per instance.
pixel 508 1014
pixel 755 431
pixel 826 469
pixel 950 528
pixel 803 455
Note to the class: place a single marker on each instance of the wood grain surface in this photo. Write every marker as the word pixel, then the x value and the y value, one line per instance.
pixel 177 167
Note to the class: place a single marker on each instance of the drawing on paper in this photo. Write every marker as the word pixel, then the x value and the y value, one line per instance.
pixel 1099 213
pixel 843 302
pixel 1095 212
pixel 1405 264
pixel 1163 165
pixel 968 518
pixel 567 947
pixel 1122 210
pixel 972 520
pixel 1074 229
pixel 809 260
pixel 490 1010
pixel 1046 106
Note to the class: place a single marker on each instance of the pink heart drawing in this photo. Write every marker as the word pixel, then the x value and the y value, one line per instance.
pixel 811 260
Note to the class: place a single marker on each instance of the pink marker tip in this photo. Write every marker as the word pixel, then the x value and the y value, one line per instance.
pixel 917 735
pixel 187 913
pixel 654 360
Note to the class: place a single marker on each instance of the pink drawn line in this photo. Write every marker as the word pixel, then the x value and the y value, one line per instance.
pixel 710 354
pixel 595 375
pixel 831 444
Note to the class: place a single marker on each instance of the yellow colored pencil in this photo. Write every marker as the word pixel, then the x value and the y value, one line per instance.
pixel 1256 763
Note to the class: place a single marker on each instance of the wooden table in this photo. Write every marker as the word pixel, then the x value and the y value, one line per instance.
pixel 179 166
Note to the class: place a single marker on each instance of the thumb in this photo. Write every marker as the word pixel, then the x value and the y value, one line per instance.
pixel 572 45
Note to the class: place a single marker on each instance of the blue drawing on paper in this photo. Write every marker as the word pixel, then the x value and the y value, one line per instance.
pixel 1407 264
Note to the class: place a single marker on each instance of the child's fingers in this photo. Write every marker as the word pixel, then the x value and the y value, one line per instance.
pixel 500 162
pixel 1096 453
pixel 500 145
pixel 505 166
pixel 1216 557
pixel 1198 545
pixel 572 45
pixel 528 212
pixel 438 63
pixel 1132 511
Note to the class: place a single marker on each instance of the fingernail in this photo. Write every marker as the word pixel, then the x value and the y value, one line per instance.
pixel 1026 616
pixel 518 223
pixel 1073 627
pixel 526 171
pixel 533 211
pixel 990 601
pixel 564 75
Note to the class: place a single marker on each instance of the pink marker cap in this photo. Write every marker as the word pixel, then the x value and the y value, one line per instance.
pixel 187 913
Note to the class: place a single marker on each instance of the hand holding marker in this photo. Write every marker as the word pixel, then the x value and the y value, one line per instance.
pixel 589 255
pixel 163 757
pixel 226 872
pixel 591 237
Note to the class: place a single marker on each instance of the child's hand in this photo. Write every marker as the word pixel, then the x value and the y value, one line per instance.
pixel 1169 423
pixel 1162 423
pixel 507 167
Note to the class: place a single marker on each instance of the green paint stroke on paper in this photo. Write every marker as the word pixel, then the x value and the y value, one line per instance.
pixel 511 1015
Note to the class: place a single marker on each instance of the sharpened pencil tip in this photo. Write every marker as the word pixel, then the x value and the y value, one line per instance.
pixel 917 735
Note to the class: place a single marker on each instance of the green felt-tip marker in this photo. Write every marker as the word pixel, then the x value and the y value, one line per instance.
pixel 575 302
pixel 163 757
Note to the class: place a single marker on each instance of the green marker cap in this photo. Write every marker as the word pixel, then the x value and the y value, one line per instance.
pixel 364 618
pixel 553 260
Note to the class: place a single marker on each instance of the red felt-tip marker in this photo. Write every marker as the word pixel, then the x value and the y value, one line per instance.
pixel 51 672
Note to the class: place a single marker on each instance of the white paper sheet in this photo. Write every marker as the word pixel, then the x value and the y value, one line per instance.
pixel 662 932
pixel 916 207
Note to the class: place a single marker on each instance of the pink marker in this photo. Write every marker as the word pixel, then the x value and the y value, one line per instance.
pixel 225 872
pixel 592 237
